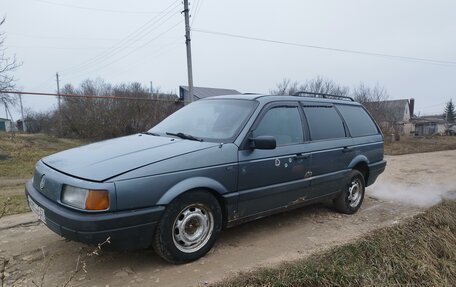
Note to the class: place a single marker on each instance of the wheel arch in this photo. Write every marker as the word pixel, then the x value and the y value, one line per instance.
pixel 361 163
pixel 209 185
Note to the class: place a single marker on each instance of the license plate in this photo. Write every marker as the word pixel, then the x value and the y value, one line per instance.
pixel 37 210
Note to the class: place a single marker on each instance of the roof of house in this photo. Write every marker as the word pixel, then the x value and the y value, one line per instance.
pixel 203 92
pixel 395 108
pixel 436 119
pixel 5 120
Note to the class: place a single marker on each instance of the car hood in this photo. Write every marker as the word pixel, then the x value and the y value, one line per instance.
pixel 106 159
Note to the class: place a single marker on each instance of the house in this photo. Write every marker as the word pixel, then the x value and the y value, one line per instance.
pixel 5 125
pixel 202 92
pixel 429 125
pixel 393 116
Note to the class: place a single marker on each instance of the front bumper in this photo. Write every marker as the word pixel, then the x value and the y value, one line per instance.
pixel 132 229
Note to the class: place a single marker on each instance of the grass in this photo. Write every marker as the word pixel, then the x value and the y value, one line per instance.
pixel 18 156
pixel 13 204
pixel 420 252
pixel 408 145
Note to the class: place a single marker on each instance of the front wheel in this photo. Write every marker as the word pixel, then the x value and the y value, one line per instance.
pixel 188 228
pixel 351 198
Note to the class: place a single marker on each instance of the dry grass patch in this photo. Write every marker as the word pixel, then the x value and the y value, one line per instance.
pixel 13 204
pixel 18 156
pixel 420 252
pixel 409 145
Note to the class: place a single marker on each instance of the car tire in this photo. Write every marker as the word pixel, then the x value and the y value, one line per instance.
pixel 188 228
pixel 352 196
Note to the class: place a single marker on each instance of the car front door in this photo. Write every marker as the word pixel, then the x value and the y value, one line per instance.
pixel 270 179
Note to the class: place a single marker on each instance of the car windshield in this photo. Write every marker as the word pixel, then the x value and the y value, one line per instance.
pixel 208 120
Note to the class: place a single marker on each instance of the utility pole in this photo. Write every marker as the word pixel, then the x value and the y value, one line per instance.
pixel 24 127
pixel 60 106
pixel 6 108
pixel 189 50
pixel 152 91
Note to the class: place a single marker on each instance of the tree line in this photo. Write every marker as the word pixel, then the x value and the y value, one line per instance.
pixel 373 98
pixel 96 118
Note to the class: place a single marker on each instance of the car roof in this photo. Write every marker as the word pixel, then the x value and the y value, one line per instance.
pixel 272 98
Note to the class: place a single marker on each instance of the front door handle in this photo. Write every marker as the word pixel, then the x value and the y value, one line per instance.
pixel 299 156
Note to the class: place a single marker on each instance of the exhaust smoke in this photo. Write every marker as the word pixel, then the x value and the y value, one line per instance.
pixel 415 194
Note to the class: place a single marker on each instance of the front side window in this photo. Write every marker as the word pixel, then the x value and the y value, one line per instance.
pixel 210 120
pixel 324 122
pixel 284 123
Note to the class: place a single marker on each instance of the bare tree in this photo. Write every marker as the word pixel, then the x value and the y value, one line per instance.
pixel 316 85
pixel 100 118
pixel 376 102
pixel 324 86
pixel 285 87
pixel 7 66
pixel 373 98
pixel 364 94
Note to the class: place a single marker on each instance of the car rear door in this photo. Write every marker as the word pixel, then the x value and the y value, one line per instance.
pixel 331 148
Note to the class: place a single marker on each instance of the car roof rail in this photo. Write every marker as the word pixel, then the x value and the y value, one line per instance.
pixel 322 95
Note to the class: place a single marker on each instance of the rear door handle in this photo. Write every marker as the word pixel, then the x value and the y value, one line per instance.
pixel 347 149
pixel 302 156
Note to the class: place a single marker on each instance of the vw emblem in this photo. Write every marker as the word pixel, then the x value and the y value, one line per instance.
pixel 42 182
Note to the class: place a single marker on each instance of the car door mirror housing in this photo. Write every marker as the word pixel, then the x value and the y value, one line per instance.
pixel 263 142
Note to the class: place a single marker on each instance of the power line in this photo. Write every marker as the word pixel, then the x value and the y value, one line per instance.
pixel 88 96
pixel 122 44
pixel 156 53
pixel 56 48
pixel 96 9
pixel 123 57
pixel 196 10
pixel 89 67
pixel 135 35
pixel 112 50
pixel 414 59
pixel 66 37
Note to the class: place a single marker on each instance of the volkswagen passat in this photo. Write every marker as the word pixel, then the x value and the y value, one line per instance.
pixel 213 164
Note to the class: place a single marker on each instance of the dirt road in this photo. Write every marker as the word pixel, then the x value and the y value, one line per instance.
pixel 410 184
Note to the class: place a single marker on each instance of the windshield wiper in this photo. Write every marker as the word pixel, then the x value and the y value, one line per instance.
pixel 150 133
pixel 185 136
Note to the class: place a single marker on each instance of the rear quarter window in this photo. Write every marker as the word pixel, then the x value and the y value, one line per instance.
pixel 358 121
pixel 324 122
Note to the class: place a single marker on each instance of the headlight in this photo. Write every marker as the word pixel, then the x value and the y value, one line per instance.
pixel 90 199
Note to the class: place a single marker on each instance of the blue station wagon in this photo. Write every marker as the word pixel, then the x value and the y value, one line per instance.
pixel 213 164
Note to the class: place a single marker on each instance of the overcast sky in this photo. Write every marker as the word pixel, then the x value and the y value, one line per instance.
pixel 87 39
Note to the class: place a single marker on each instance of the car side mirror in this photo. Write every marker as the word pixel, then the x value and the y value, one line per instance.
pixel 263 142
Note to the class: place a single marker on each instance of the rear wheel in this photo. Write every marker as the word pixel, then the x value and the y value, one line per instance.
pixel 351 198
pixel 188 228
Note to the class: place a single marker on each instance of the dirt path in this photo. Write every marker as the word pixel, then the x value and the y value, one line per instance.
pixel 411 183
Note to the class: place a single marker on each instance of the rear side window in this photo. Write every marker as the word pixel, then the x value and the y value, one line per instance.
pixel 284 123
pixel 358 121
pixel 324 122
